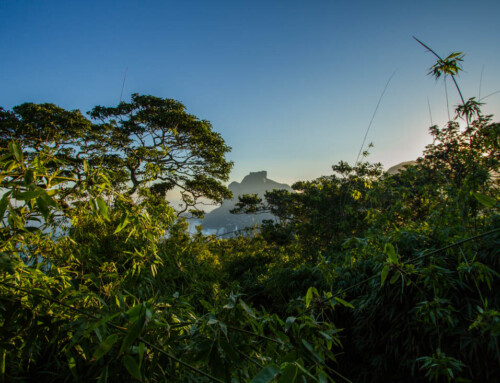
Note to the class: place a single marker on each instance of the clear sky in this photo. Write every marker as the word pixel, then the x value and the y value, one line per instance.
pixel 290 85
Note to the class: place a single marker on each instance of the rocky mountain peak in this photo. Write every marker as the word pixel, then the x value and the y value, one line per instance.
pixel 255 178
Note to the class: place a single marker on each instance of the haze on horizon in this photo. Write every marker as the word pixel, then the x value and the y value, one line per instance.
pixel 291 86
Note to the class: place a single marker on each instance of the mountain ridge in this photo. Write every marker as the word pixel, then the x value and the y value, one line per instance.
pixel 222 220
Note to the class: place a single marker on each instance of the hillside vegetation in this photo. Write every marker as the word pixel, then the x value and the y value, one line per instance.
pixel 365 276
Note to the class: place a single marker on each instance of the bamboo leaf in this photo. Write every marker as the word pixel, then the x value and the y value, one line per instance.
pixel 16 150
pixel 322 377
pixel 391 253
pixel 383 274
pixel 133 332
pixel 103 208
pixel 3 204
pixel 247 308
pixel 309 296
pixel 304 370
pixel 132 367
pixel 28 195
pixel 72 367
pixel 123 222
pixel 212 319
pixel 6 264
pixel 43 207
pixel 105 346
pixel 343 302
pixel 289 374
pixel 142 348
pixel 485 199
pixel 267 374
pixel 310 348
pixel 29 177
pixel 289 322
pixel 49 201
pixel 394 278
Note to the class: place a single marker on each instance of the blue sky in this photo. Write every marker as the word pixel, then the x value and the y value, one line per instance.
pixel 290 85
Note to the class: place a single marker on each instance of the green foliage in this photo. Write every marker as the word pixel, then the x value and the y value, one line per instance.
pixel 121 292
pixel 415 253
pixel 366 277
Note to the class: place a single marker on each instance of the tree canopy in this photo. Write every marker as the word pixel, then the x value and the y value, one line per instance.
pixel 149 144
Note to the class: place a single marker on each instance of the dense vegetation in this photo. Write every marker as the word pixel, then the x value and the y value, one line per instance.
pixel 366 277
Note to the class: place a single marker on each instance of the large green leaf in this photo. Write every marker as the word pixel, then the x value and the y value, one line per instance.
pixel 123 222
pixel 310 348
pixel 485 199
pixel 391 253
pixel 247 309
pixel 133 332
pixel 343 302
pixel 323 378
pixel 103 208
pixel 309 295
pixel 142 348
pixel 43 206
pixel 3 204
pixel 383 274
pixel 267 374
pixel 289 322
pixel 105 346
pixel 6 263
pixel 289 374
pixel 16 150
pixel 25 196
pixel 132 367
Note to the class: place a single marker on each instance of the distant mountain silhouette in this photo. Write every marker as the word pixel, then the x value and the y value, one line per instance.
pixel 221 220
pixel 495 176
pixel 400 167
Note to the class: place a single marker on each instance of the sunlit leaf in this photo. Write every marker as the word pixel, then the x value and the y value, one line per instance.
pixel 16 150
pixel 391 253
pixel 123 222
pixel 309 296
pixel 343 302
pixel 103 208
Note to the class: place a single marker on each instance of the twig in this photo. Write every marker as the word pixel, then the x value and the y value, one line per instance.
pixel 480 83
pixel 254 334
pixel 430 114
pixel 447 101
pixel 491 94
pixel 373 117
pixel 123 85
